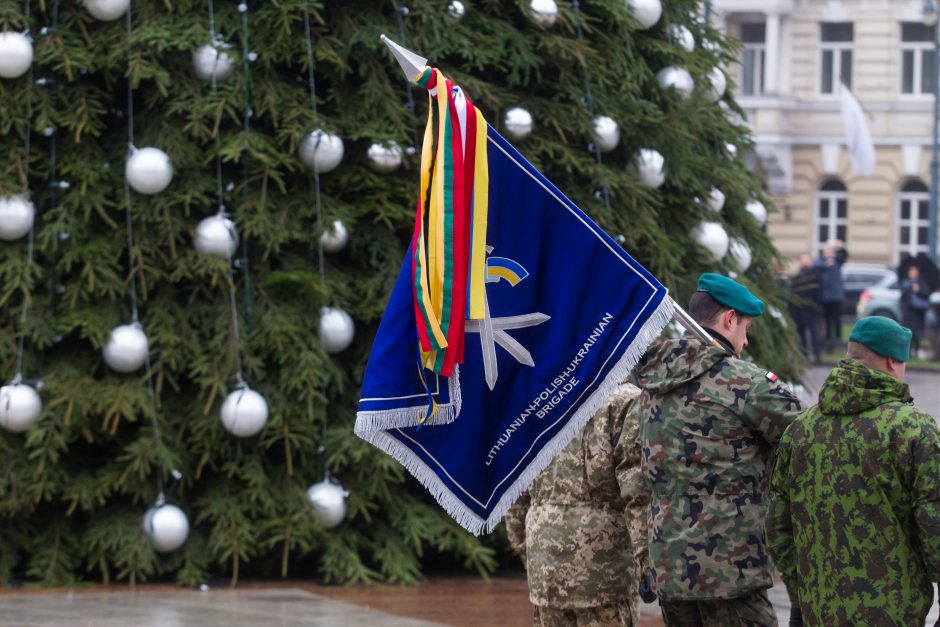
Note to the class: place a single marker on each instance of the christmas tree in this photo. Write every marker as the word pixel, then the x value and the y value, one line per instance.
pixel 115 438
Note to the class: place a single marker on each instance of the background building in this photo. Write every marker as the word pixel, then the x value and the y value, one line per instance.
pixel 793 55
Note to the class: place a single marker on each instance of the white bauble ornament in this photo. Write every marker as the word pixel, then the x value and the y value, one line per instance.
pixel 606 133
pixel 244 412
pixel 718 83
pixel 518 123
pixel 16 54
pixel 107 10
pixel 321 150
pixel 456 9
pixel 210 62
pixel 757 209
pixel 127 348
pixel 682 37
pixel 740 254
pixel 384 157
pixel 650 167
pixel 329 503
pixel 645 12
pixel 16 217
pixel 732 149
pixel 713 237
pixel 216 235
pixel 167 527
pixel 544 12
pixel 336 329
pixel 20 406
pixel 148 171
pixel 716 199
pixel 676 78
pixel 335 237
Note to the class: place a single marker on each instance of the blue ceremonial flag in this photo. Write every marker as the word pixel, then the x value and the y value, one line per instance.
pixel 569 313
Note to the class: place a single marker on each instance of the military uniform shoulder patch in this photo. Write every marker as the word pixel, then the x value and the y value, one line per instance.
pixel 771 377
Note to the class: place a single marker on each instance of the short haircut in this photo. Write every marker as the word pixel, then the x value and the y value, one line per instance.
pixel 860 352
pixel 704 309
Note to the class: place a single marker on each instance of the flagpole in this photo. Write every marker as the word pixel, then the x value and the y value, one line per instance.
pixel 687 321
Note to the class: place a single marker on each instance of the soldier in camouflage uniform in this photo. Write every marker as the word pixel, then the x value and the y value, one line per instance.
pixel 854 521
pixel 708 424
pixel 570 530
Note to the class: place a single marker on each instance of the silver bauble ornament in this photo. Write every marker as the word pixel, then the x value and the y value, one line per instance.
pixel 757 209
pixel 716 199
pixel 713 237
pixel 107 10
pixel 718 83
pixel 732 149
pixel 606 133
pixel 650 167
pixel 645 12
pixel 167 527
pixel 16 217
pixel 384 157
pixel 676 78
pixel 336 329
pixel 20 406
pixel 321 150
pixel 16 54
pixel 216 235
pixel 740 254
pixel 456 9
pixel 518 123
pixel 544 12
pixel 329 503
pixel 210 62
pixel 148 171
pixel 244 412
pixel 335 237
pixel 682 37
pixel 127 348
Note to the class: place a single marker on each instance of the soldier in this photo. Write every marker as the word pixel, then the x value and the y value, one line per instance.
pixel 708 424
pixel 570 531
pixel 854 520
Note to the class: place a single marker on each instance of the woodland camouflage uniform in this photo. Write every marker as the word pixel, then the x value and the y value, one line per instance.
pixel 570 530
pixel 708 424
pixel 854 522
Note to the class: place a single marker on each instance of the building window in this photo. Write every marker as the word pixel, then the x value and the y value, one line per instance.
pixel 832 213
pixel 917 58
pixel 753 53
pixel 835 61
pixel 913 221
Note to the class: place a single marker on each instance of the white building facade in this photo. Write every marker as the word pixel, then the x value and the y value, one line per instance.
pixel 794 53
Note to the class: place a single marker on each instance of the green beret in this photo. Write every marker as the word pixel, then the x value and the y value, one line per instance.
pixel 732 294
pixel 883 336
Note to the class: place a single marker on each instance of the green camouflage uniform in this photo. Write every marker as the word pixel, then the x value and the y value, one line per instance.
pixel 854 522
pixel 708 423
pixel 570 530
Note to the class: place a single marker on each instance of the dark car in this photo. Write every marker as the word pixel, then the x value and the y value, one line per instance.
pixel 857 277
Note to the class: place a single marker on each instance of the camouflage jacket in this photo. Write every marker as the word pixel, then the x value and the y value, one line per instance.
pixel 569 526
pixel 854 521
pixel 708 424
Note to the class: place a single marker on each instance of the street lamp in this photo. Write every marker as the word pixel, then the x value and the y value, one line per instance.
pixel 930 19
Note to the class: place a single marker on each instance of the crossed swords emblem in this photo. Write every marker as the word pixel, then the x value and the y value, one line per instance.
pixel 493 331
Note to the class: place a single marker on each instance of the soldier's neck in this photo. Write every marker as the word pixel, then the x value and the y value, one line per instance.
pixel 721 339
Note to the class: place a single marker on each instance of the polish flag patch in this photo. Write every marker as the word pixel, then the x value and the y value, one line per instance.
pixel 772 377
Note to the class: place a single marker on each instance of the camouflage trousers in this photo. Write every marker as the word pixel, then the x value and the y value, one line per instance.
pixel 751 610
pixel 598 616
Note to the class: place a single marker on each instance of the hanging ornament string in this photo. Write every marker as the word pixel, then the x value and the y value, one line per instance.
pixel 400 14
pixel 132 272
pixel 588 98
pixel 247 58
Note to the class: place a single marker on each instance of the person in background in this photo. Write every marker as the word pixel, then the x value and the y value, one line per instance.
pixel 832 289
pixel 853 519
pixel 915 301
pixel 804 307
pixel 570 530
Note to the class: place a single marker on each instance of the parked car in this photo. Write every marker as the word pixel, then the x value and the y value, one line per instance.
pixel 858 277
pixel 884 299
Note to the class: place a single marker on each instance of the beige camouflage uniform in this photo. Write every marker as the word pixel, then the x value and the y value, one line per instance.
pixel 570 530
pixel 708 424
